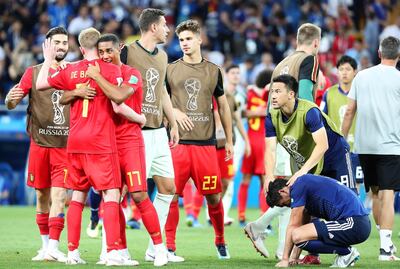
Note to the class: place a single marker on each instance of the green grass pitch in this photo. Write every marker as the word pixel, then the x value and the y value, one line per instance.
pixel 19 241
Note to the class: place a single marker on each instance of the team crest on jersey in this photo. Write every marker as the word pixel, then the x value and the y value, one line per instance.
pixel 133 79
pixel 192 87
pixel 291 145
pixel 58 109
pixel 152 78
pixel 285 70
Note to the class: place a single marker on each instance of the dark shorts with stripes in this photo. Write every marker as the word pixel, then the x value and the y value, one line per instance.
pixel 343 232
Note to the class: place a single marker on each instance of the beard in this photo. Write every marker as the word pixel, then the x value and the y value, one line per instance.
pixel 59 58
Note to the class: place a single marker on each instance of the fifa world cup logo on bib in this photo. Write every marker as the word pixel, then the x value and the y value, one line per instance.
pixel 192 87
pixel 291 145
pixel 152 78
pixel 57 108
pixel 284 70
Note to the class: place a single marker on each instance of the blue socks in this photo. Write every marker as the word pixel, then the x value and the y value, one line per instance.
pixel 317 246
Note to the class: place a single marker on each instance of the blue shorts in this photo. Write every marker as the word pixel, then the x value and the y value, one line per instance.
pixel 340 168
pixel 343 232
pixel 356 167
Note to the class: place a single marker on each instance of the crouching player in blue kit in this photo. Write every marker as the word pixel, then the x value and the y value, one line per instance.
pixel 344 220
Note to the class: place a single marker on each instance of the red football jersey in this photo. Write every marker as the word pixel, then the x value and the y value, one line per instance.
pixel 92 129
pixel 26 80
pixel 129 133
pixel 257 124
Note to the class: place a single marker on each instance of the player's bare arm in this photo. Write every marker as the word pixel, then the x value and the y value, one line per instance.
pixel 169 113
pixel 226 119
pixel 128 113
pixel 296 220
pixel 85 92
pixel 243 133
pixel 348 117
pixel 49 54
pixel 14 96
pixel 258 112
pixel 321 146
pixel 115 93
pixel 270 153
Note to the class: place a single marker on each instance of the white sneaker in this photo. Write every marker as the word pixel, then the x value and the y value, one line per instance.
pixel 222 251
pixel 172 257
pixel 160 255
pixel 389 256
pixel 74 258
pixel 40 256
pixel 257 239
pixel 92 230
pixel 149 256
pixel 114 258
pixel 348 260
pixel 228 221
pixel 55 255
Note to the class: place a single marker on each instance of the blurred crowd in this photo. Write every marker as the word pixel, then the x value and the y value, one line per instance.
pixel 254 34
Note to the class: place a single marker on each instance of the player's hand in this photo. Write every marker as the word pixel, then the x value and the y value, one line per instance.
pixel 247 149
pixel 294 177
pixel 85 92
pixel 142 120
pixel 228 151
pixel 268 179
pixel 183 120
pixel 15 93
pixel 282 263
pixel 293 262
pixel 49 50
pixel 124 191
pixel 93 71
pixel 174 134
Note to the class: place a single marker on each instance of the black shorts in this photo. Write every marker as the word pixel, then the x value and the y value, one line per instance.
pixel 343 232
pixel 382 171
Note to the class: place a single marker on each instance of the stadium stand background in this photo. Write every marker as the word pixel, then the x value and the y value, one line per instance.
pixel 254 34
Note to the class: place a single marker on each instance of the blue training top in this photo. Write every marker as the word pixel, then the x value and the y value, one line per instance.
pixel 325 198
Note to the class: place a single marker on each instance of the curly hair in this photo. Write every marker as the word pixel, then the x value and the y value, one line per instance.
pixel 273 195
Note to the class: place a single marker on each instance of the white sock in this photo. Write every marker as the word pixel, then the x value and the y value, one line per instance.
pixel 103 252
pixel 262 222
pixel 161 204
pixel 53 244
pixel 378 227
pixel 283 223
pixel 386 239
pixel 45 241
pixel 227 199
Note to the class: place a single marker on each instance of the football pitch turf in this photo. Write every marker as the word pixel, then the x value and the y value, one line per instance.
pixel 19 241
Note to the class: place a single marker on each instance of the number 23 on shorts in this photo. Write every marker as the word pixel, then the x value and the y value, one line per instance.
pixel 209 183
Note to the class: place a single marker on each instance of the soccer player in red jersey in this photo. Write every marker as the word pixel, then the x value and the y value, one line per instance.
pixel 192 82
pixel 91 148
pixel 48 125
pixel 130 145
pixel 257 100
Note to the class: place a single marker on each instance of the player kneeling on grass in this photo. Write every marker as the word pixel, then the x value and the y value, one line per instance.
pixel 344 220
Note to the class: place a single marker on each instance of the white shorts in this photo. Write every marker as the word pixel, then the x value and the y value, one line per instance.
pixel 282 162
pixel 158 153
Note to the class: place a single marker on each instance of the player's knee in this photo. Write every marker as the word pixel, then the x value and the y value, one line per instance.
pixel 58 199
pixel 213 199
pixel 138 196
pixel 297 236
pixel 167 188
pixel 43 196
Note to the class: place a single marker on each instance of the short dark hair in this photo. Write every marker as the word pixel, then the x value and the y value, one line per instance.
pixel 59 30
pixel 273 195
pixel 109 37
pixel 232 66
pixel 188 25
pixel 347 59
pixel 390 48
pixel 263 78
pixel 148 17
pixel 289 81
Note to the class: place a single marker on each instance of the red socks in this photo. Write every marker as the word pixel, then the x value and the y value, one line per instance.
pixel 172 225
pixel 188 198
pixel 198 200
pixel 242 200
pixel 263 201
pixel 74 220
pixel 122 228
pixel 56 225
pixel 150 220
pixel 111 225
pixel 216 214
pixel 42 221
